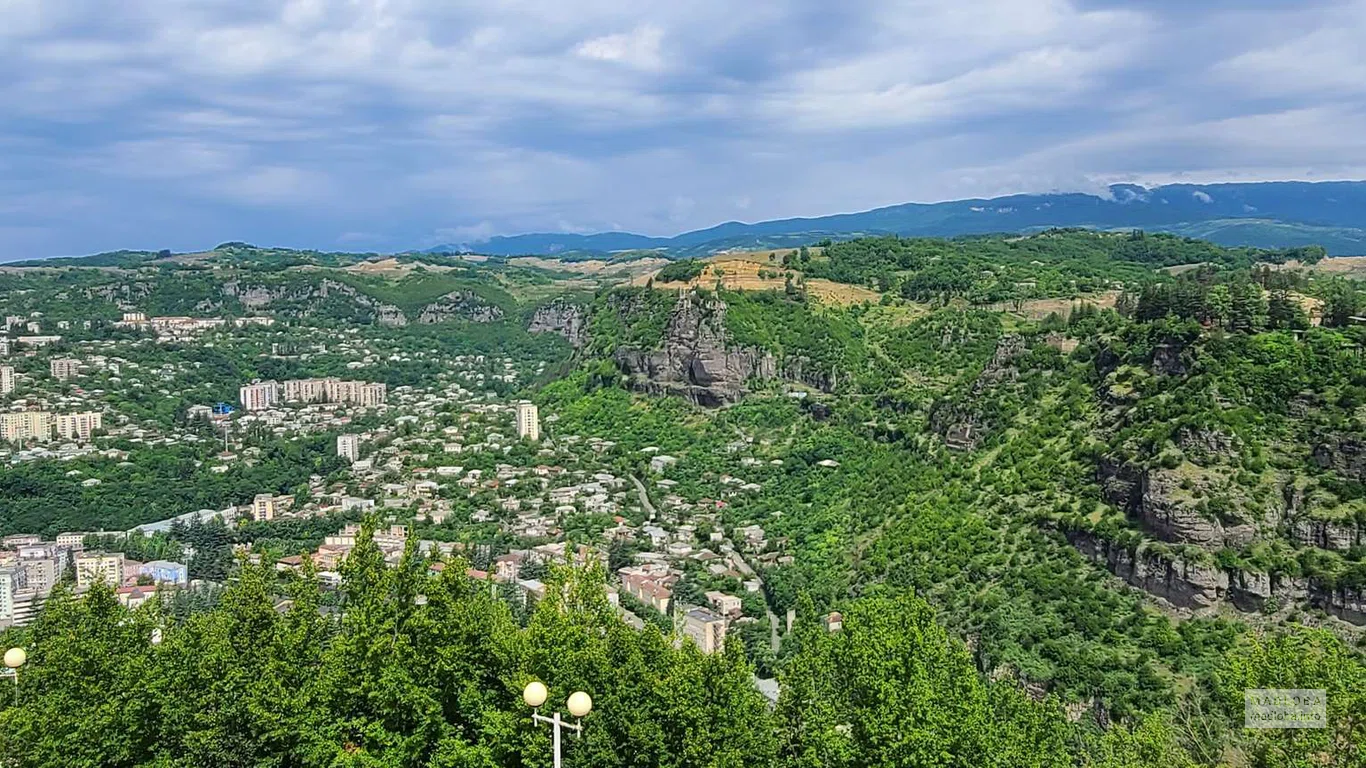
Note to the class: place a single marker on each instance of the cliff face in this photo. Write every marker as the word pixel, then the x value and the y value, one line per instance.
pixel 460 305
pixel 1199 586
pixel 564 318
pixel 1181 583
pixel 961 424
pixel 1344 455
pixel 694 360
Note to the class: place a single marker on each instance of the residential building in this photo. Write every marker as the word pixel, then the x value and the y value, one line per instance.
pixel 724 604
pixel 348 447
pixel 73 541
pixel 528 421
pixel 6 346
pixel 332 390
pixel 260 395
pixel 13 580
pixel 648 588
pixel 706 629
pixel 78 426
pixel 63 368
pixel 165 572
pixel 25 425
pixel 93 567
pixel 6 379
pixel 263 507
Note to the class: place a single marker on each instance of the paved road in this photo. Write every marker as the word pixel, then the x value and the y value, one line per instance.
pixel 644 497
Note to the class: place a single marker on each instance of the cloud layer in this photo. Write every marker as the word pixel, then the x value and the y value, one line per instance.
pixel 388 124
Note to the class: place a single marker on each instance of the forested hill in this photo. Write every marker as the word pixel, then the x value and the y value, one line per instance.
pixel 1101 472
pixel 1269 215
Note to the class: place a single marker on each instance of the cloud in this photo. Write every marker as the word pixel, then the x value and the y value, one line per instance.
pixel 639 48
pixel 175 124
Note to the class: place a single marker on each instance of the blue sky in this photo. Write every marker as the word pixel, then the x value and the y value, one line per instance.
pixel 391 124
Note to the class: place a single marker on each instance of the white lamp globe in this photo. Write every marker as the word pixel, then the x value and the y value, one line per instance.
pixel 580 704
pixel 15 658
pixel 535 694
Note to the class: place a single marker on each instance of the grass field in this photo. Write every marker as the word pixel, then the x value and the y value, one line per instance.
pixel 742 272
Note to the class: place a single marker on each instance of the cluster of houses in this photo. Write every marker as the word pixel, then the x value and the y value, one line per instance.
pixel 30 568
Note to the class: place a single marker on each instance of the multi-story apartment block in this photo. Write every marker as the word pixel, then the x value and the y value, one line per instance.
pixel 13 580
pixel 6 379
pixel 63 368
pixel 263 507
pixel 260 396
pixel 6 346
pixel 332 390
pixel 78 426
pixel 74 541
pixel 706 629
pixel 528 421
pixel 93 567
pixel 23 426
pixel 348 447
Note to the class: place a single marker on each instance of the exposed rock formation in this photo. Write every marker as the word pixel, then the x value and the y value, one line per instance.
pixel 1344 455
pixel 697 361
pixel 1155 498
pixel 1182 583
pixel 1199 586
pixel 460 305
pixel 961 425
pixel 694 360
pixel 564 318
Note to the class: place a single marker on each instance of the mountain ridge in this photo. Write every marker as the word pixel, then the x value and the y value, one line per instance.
pixel 1262 214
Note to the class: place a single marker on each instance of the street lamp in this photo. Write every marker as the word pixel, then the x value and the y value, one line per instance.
pixel 14 659
pixel 579 705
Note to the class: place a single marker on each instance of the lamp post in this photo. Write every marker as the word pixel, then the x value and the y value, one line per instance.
pixel 579 705
pixel 14 659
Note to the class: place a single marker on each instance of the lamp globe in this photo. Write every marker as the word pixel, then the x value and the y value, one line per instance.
pixel 535 694
pixel 580 704
pixel 15 658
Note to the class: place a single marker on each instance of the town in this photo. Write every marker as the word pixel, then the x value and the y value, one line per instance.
pixel 468 473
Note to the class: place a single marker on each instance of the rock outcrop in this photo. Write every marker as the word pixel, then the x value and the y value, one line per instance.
pixel 460 305
pixel 1344 455
pixel 961 424
pixel 564 318
pixel 697 361
pixel 1180 582
pixel 1155 498
pixel 1199 585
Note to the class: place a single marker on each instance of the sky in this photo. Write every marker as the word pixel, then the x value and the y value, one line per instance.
pixel 385 125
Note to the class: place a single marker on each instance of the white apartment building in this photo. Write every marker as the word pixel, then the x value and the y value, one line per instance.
pixel 259 396
pixel 72 541
pixel 93 567
pixel 348 447
pixel 13 580
pixel 63 368
pixel 78 426
pixel 6 379
pixel 25 425
pixel 333 390
pixel 528 421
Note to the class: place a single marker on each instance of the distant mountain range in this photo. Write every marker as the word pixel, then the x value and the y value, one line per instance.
pixel 1266 215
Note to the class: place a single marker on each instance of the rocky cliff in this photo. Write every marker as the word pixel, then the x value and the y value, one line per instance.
pixel 697 360
pixel 564 318
pixel 1199 585
pixel 961 423
pixel 460 305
